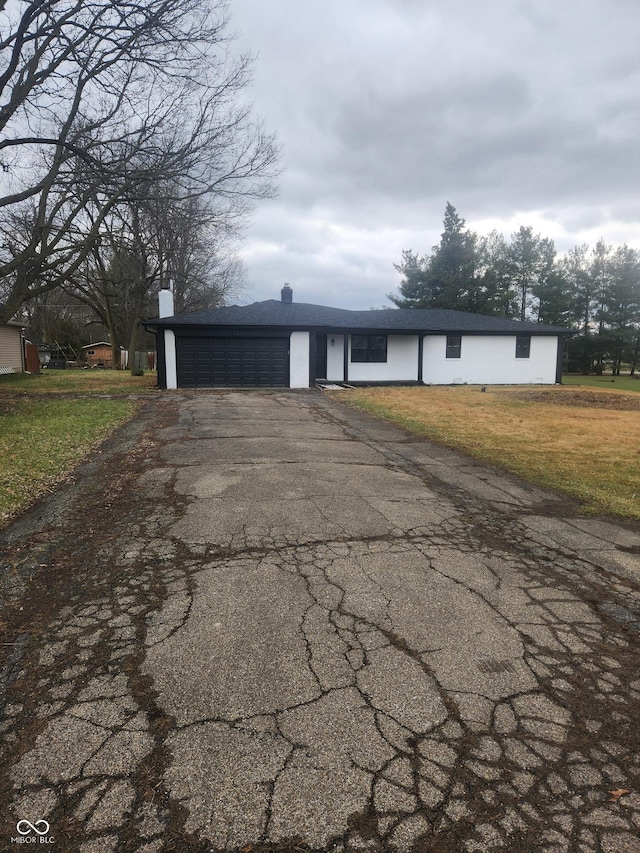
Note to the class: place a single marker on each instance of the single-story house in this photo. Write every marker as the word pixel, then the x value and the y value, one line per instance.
pixel 11 348
pixel 284 344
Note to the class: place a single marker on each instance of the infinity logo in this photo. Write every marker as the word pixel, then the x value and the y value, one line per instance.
pixel 31 827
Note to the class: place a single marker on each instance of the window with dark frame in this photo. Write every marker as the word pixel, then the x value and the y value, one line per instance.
pixel 368 349
pixel 523 346
pixel 454 346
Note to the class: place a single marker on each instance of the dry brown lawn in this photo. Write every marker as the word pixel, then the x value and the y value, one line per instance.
pixel 580 441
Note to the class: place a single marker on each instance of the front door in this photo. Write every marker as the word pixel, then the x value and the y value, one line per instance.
pixel 321 356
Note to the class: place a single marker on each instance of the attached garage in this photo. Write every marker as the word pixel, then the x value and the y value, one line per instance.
pixel 232 362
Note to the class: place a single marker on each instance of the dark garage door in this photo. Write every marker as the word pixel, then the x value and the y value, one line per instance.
pixel 232 362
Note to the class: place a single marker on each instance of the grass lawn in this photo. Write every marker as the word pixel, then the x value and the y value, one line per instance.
pixel 580 441
pixel 619 383
pixel 49 423
pixel 77 382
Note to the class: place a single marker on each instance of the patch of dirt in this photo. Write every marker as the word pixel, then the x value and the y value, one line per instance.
pixel 589 399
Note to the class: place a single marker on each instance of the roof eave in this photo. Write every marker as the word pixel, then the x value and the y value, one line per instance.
pixel 166 323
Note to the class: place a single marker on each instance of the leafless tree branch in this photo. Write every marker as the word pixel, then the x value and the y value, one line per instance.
pixel 102 103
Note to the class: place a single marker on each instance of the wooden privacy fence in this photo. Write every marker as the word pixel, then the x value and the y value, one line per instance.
pixel 31 358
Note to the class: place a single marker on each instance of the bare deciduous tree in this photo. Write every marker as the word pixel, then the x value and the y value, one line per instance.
pixel 145 245
pixel 103 101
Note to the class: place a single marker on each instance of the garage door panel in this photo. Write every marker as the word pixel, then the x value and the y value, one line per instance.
pixel 208 362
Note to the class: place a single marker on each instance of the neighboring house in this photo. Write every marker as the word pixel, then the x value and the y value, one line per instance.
pixel 11 348
pixel 98 354
pixel 282 344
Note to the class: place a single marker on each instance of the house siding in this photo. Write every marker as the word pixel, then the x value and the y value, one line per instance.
pixel 490 360
pixel 11 348
pixel 401 364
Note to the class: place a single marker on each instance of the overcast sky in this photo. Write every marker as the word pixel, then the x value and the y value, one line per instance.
pixel 518 112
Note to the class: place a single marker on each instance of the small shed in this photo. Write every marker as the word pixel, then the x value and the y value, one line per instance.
pixel 98 354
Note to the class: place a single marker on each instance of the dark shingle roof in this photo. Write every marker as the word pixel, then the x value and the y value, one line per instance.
pixel 300 315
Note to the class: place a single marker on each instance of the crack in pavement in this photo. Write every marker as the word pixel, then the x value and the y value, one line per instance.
pixel 400 661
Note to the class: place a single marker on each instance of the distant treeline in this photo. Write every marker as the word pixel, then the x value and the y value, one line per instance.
pixel 593 290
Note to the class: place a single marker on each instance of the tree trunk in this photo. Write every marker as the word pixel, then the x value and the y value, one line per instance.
pixel 115 348
pixel 133 345
pixel 635 353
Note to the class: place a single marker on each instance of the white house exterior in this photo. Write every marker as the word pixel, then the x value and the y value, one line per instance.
pixel 401 364
pixel 278 344
pixel 489 360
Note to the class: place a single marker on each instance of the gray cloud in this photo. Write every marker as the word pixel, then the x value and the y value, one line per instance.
pixel 516 112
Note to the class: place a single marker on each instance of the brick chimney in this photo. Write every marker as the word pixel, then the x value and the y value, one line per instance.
pixel 286 294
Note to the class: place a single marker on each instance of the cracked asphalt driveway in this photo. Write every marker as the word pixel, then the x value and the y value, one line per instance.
pixel 263 621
